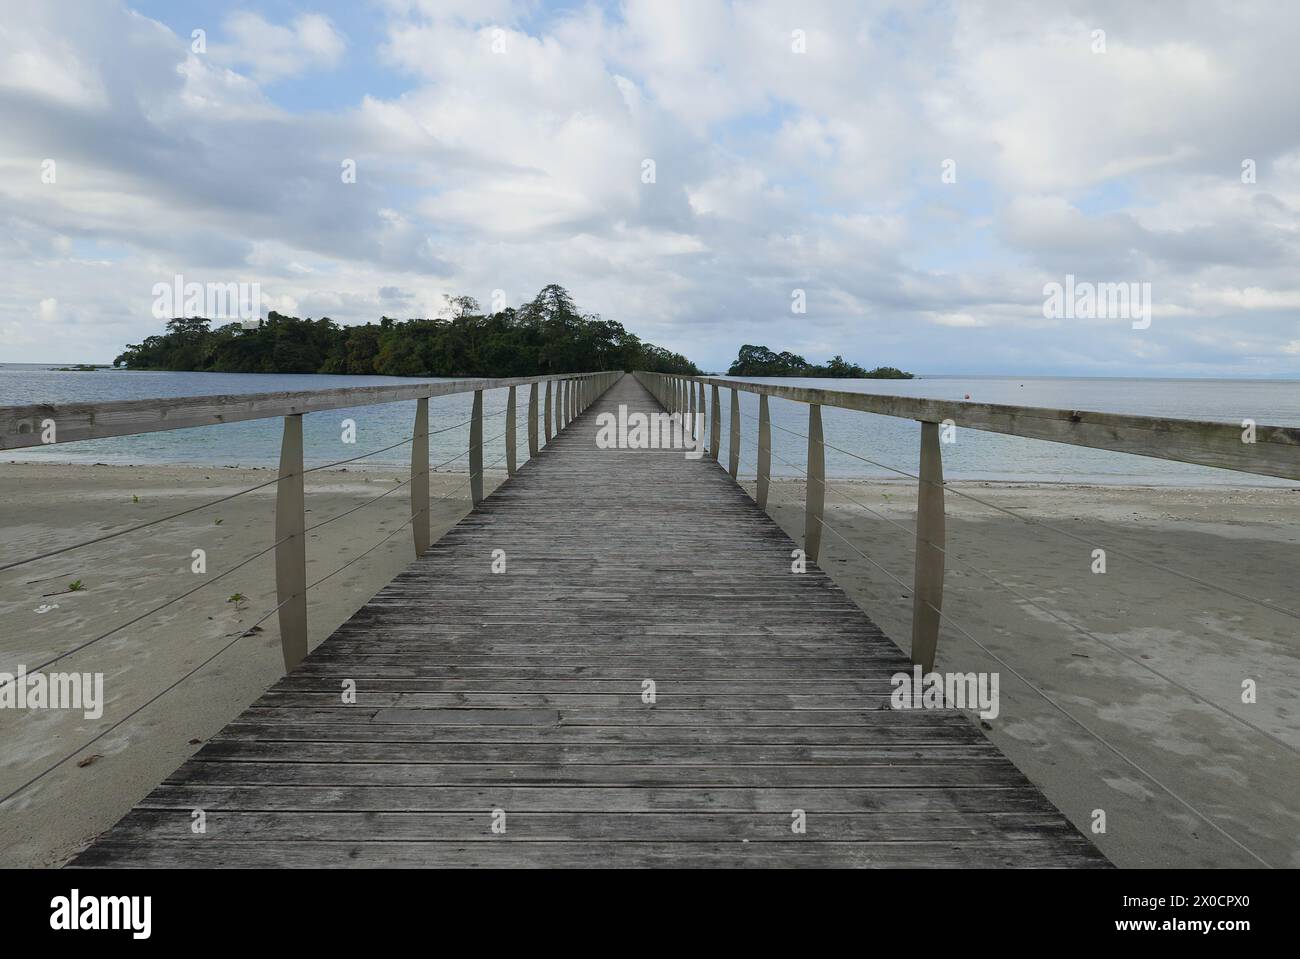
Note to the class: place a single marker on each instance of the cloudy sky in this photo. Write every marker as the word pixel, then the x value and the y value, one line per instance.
pixel 795 146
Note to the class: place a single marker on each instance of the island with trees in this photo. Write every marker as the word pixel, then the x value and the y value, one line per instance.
pixel 760 361
pixel 547 335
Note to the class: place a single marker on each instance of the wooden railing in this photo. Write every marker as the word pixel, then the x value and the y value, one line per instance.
pixel 561 398
pixel 1251 448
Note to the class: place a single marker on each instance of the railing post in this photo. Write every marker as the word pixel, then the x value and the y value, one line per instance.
pixel 532 420
pixel 420 477
pixel 815 494
pixel 764 451
pixel 702 410
pixel 927 592
pixel 715 424
pixel 291 546
pixel 546 413
pixel 476 449
pixel 510 432
pixel 733 446
pixel 689 412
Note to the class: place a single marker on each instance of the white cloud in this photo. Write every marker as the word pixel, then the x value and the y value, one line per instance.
pixel 273 52
pixel 775 170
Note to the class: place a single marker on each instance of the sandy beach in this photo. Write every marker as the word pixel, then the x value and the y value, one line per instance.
pixel 44 506
pixel 1130 621
pixel 1137 619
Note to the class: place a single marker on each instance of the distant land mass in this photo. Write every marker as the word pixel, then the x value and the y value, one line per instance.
pixel 760 361
pixel 547 335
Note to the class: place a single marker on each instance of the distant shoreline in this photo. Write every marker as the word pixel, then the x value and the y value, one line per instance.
pixel 60 366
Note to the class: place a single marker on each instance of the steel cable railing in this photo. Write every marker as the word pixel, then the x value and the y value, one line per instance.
pixel 1061 532
pixel 216 502
pixel 947 617
pixel 468 482
pixel 1043 609
pixel 149 702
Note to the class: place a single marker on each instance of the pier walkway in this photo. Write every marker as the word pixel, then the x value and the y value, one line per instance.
pixel 609 662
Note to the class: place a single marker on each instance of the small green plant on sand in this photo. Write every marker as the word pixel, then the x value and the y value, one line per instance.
pixel 239 599
pixel 76 586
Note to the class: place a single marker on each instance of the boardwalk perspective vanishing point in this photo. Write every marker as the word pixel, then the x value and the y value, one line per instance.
pixel 501 717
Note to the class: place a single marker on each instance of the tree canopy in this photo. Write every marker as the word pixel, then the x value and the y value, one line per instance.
pixel 760 361
pixel 547 335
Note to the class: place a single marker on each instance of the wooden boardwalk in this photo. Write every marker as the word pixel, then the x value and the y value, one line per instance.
pixel 516 698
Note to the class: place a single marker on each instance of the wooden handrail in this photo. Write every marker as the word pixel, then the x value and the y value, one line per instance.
pixel 25 426
pixel 1275 452
pixel 21 426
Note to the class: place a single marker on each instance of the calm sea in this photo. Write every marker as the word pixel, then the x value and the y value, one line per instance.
pixel 889 441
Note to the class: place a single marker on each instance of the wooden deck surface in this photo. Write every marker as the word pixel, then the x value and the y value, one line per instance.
pixel 482 693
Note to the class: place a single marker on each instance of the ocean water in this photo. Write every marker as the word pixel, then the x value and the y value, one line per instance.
pixel 892 443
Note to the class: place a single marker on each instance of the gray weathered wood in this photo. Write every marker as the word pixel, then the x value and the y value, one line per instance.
pixel 511 416
pixel 420 519
pixel 815 487
pixel 532 421
pixel 291 546
pixel 1275 452
pixel 20 425
pixel 733 447
pixel 546 415
pixel 715 425
pixel 764 453
pixel 927 592
pixel 702 424
pixel 476 449
pixel 523 692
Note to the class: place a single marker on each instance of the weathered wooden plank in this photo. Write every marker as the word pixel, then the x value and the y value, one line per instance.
pixel 551 855
pixel 608 754
pixel 360 729
pixel 937 800
pixel 974 774
pixel 523 826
